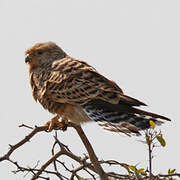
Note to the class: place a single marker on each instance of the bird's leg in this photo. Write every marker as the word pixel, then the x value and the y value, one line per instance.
pixel 55 123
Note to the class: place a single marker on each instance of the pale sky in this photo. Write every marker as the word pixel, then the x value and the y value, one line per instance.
pixel 135 43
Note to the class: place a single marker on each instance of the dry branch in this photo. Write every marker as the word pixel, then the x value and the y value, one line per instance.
pixel 23 141
pixel 92 168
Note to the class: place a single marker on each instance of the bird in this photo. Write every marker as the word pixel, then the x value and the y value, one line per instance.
pixel 74 91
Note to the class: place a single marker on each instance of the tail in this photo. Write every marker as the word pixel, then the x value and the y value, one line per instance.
pixel 121 118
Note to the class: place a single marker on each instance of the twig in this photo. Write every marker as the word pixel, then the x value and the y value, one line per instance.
pixel 91 152
pixel 23 125
pixel 169 175
pixel 93 166
pixel 26 139
pixel 150 158
pixel 59 153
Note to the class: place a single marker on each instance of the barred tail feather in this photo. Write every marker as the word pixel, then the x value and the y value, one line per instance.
pixel 121 118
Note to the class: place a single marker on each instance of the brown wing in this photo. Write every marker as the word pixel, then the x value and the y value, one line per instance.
pixel 78 83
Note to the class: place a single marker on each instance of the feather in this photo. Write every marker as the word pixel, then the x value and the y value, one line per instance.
pixel 122 117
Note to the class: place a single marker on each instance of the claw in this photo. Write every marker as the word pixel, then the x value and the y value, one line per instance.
pixel 55 124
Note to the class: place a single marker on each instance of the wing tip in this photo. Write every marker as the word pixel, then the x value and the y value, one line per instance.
pixel 153 115
pixel 131 101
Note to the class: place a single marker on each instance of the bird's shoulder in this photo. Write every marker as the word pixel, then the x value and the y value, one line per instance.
pixel 70 69
pixel 70 65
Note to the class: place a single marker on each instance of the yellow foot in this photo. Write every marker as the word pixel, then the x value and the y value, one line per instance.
pixel 55 124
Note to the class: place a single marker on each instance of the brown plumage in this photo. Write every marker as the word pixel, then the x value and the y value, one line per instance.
pixel 74 90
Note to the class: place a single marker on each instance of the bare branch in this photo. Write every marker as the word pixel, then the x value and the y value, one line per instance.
pixel 93 167
pixel 52 159
pixel 25 140
pixel 91 152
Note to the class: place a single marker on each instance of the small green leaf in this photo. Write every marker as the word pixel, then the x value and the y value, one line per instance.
pixel 152 123
pixel 170 172
pixel 137 175
pixel 80 178
pixel 133 168
pixel 161 140
pixel 173 171
pixel 147 139
pixel 142 171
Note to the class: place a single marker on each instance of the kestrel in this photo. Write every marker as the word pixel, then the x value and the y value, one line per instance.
pixel 73 90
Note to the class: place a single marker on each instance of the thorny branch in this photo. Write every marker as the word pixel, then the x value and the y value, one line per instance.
pixel 89 164
pixel 23 141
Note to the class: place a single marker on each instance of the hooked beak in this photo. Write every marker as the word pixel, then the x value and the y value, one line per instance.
pixel 27 59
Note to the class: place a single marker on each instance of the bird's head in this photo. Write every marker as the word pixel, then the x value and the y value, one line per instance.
pixel 42 53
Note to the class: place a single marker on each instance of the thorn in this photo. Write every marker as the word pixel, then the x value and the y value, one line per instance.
pixel 11 146
pixel 21 125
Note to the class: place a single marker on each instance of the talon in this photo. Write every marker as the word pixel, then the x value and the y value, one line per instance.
pixel 64 128
pixel 55 124
pixel 63 124
pixel 52 124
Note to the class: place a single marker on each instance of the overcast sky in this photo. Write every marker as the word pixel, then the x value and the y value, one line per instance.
pixel 135 43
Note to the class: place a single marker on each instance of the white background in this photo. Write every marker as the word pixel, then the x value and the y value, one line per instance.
pixel 135 43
